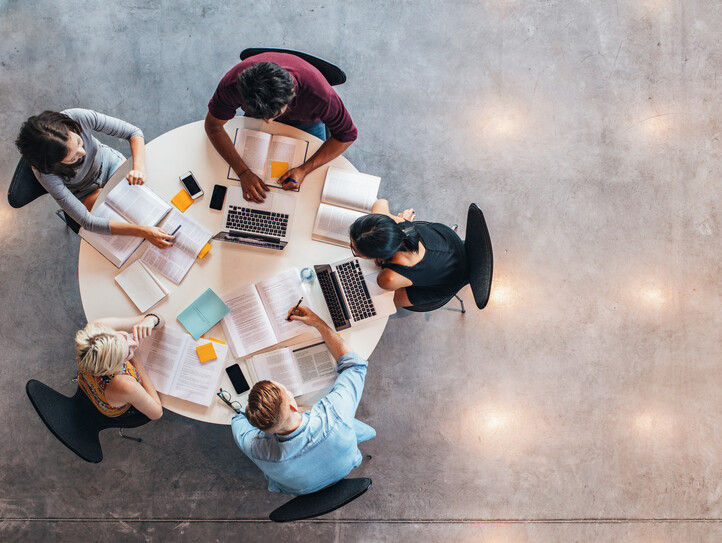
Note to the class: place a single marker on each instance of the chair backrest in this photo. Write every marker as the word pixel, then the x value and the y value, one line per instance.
pixel 322 502
pixel 74 420
pixel 479 256
pixel 333 74
pixel 24 187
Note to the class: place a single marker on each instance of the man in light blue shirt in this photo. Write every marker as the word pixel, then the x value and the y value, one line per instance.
pixel 298 452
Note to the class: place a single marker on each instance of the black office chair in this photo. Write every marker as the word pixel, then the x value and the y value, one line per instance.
pixel 75 421
pixel 479 259
pixel 333 74
pixel 25 187
pixel 321 502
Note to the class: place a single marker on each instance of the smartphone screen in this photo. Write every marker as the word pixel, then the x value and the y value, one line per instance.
pixel 191 185
pixel 237 380
pixel 219 194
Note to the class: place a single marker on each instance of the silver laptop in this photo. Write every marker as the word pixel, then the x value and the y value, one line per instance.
pixel 352 294
pixel 266 225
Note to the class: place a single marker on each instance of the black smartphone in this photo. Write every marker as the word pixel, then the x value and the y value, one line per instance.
pixel 237 380
pixel 219 194
pixel 192 187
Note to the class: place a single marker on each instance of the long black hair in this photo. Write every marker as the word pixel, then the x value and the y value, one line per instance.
pixel 379 236
pixel 43 142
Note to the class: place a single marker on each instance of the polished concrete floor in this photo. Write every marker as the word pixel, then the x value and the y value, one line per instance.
pixel 583 404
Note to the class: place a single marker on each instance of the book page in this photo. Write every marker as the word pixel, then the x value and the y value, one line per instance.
pixel 198 382
pixel 141 286
pixel 172 261
pixel 252 146
pixel 160 353
pixel 333 223
pixel 137 203
pixel 277 366
pixel 285 149
pixel 316 366
pixel 247 327
pixel 175 261
pixel 279 294
pixel 117 249
pixel 349 189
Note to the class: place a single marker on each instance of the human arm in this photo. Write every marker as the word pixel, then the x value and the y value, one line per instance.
pixel 330 149
pixel 124 389
pixel 140 325
pixel 136 176
pixel 254 189
pixel 242 429
pixel 154 234
pixel 334 342
pixel 381 206
pixel 346 392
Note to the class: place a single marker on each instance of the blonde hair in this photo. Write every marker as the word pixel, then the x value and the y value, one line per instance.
pixel 98 350
pixel 264 405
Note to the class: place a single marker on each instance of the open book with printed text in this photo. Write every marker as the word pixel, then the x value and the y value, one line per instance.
pixel 172 363
pixel 301 368
pixel 346 196
pixel 268 156
pixel 133 204
pixel 258 313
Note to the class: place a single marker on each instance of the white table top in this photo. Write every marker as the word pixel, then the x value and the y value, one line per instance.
pixel 227 266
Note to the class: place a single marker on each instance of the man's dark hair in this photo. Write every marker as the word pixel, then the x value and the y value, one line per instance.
pixel 266 88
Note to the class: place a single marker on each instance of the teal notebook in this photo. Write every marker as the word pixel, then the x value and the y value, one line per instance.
pixel 203 313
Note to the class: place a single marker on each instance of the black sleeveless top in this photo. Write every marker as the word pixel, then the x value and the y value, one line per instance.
pixel 442 271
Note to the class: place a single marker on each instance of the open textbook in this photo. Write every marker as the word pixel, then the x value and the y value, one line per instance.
pixel 258 313
pixel 301 369
pixel 269 157
pixel 346 197
pixel 171 360
pixel 134 204
pixel 175 261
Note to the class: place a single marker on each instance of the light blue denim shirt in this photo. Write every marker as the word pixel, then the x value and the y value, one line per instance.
pixel 324 448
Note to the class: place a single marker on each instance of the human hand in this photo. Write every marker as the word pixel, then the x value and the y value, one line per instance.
pixel 305 315
pixel 136 177
pixel 158 237
pixel 144 328
pixel 407 215
pixel 254 190
pixel 292 179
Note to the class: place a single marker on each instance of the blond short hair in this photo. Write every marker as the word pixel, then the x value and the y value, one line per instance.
pixel 98 350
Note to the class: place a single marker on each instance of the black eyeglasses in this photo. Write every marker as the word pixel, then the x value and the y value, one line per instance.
pixel 353 251
pixel 225 396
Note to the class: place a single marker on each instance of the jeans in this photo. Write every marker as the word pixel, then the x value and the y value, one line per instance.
pixel 317 129
pixel 110 161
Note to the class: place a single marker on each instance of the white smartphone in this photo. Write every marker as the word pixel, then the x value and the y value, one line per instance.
pixel 191 185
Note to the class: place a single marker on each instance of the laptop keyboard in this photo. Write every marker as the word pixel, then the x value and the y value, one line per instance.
pixel 354 287
pixel 257 221
pixel 332 302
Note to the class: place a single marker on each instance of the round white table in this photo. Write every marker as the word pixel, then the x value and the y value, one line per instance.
pixel 226 266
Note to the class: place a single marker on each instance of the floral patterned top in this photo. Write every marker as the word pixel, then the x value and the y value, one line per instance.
pixel 94 388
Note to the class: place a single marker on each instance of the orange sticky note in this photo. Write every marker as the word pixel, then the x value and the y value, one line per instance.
pixel 217 340
pixel 278 168
pixel 182 201
pixel 206 352
pixel 204 251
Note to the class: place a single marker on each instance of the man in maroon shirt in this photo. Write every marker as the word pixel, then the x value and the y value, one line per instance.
pixel 285 88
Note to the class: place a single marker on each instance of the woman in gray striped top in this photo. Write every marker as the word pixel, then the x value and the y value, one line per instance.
pixel 74 166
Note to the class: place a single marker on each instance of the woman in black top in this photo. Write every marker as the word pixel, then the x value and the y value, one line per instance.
pixel 422 262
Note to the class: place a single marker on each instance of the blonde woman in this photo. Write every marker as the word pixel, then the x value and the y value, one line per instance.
pixel 110 376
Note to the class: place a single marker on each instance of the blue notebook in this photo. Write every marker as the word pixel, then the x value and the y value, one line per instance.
pixel 203 313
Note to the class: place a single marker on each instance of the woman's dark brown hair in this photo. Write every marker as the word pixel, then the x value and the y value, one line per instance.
pixel 43 142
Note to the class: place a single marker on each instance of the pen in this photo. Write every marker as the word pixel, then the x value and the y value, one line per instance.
pixel 294 309
pixel 176 229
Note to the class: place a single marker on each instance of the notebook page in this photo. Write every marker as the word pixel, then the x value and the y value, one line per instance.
pixel 138 203
pixel 161 353
pixel 333 223
pixel 252 146
pixel 198 382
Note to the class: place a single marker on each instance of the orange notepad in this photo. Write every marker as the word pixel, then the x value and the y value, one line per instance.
pixel 206 352
pixel 182 201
